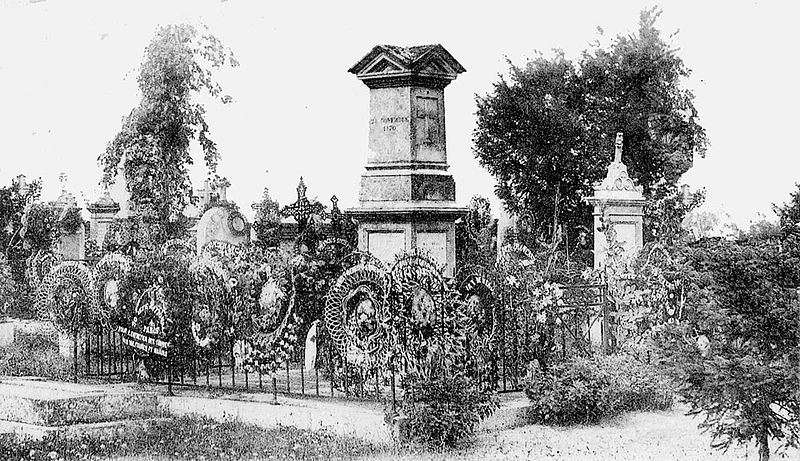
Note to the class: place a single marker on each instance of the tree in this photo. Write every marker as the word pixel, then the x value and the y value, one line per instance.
pixel 789 213
pixel 155 137
pixel 267 221
pixel 475 234
pixel 546 132
pixel 736 353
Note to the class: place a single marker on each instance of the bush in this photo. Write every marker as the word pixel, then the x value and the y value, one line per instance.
pixel 34 354
pixel 585 391
pixel 443 412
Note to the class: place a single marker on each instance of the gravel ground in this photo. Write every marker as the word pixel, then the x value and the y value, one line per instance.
pixel 668 435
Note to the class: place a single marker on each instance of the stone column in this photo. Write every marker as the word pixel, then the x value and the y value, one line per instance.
pixel 619 202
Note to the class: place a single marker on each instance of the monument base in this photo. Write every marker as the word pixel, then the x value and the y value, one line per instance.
pixel 387 231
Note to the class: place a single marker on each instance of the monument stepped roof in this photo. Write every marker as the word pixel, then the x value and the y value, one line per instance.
pixel 411 58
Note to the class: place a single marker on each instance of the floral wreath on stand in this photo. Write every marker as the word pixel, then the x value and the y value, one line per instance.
pixel 66 296
pixel 39 265
pixel 109 273
pixel 207 315
pixel 274 330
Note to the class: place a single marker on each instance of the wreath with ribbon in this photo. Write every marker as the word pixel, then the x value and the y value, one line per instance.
pixel 109 273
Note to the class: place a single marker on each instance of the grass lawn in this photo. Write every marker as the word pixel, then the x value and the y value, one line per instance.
pixel 192 438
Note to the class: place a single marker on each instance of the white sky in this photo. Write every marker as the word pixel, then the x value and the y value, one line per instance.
pixel 68 76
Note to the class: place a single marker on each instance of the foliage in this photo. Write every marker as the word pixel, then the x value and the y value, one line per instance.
pixel 664 213
pixel 70 221
pixel 267 221
pixel 34 354
pixel 39 227
pixel 789 213
pixel 736 350
pixel 545 131
pixel 7 286
pixel 443 411
pixel 13 203
pixel 187 438
pixel 588 390
pixel 475 233
pixel 155 137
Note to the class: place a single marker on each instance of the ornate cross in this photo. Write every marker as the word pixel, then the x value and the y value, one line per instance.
pixel 302 209
pixel 618 148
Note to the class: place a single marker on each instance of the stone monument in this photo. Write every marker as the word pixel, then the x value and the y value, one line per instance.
pixel 407 197
pixel 102 213
pixel 71 245
pixel 618 201
pixel 222 223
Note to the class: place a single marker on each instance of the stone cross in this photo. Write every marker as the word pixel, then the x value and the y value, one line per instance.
pixel 618 149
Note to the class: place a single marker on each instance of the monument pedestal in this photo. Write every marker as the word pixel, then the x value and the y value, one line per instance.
pixel 407 197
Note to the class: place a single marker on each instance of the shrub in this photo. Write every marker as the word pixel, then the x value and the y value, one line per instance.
pixel 587 390
pixel 443 412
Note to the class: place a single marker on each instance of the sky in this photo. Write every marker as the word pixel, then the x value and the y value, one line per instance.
pixel 68 76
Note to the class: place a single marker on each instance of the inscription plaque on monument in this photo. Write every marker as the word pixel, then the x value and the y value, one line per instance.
pixel 385 245
pixel 435 243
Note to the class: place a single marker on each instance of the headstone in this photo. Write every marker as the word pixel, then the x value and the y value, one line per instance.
pixel 407 198
pixel 617 201
pixel 221 223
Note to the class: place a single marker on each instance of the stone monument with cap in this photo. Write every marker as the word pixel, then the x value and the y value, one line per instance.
pixel 618 202
pixel 407 196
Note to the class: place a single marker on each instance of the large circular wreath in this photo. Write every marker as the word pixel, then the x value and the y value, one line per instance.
pixel 354 310
pixel 39 265
pixel 476 288
pixel 67 296
pixel 109 273
pixel 418 280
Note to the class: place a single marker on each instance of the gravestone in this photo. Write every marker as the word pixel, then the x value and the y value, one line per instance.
pixel 220 223
pixel 407 197
pixel 619 202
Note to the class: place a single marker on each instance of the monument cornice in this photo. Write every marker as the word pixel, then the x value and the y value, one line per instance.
pixel 405 79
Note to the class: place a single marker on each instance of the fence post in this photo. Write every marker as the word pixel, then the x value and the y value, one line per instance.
pixel 604 330
pixel 169 375
pixel 75 355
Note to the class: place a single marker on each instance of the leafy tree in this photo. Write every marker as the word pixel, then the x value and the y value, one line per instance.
pixel 546 132
pixel 475 233
pixel 267 220
pixel 155 137
pixel 789 213
pixel 736 352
